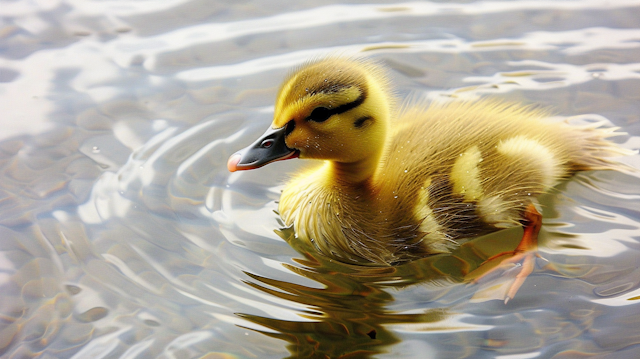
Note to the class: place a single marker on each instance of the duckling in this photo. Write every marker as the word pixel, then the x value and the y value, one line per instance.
pixel 396 183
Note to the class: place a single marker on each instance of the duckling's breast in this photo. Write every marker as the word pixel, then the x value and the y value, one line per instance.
pixel 354 223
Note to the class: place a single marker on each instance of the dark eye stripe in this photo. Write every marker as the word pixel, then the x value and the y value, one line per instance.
pixel 324 113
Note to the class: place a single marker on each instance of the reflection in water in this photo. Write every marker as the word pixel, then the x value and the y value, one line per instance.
pixel 349 316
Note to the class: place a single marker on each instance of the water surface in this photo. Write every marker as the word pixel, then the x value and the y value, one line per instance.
pixel 124 236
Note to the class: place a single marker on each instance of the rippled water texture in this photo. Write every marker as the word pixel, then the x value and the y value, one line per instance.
pixel 123 235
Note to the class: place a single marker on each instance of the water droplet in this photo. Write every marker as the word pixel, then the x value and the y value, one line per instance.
pixel 95 149
pixel 405 171
pixel 395 196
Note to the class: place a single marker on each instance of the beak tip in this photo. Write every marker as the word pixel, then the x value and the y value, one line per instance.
pixel 232 164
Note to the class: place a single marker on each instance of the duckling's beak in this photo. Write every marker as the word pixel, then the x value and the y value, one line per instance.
pixel 270 147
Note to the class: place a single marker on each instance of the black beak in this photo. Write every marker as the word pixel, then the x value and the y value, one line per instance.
pixel 270 147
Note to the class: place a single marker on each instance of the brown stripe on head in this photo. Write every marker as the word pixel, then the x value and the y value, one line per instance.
pixel 325 76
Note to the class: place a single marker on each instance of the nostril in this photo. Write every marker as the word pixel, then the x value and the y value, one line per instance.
pixel 266 143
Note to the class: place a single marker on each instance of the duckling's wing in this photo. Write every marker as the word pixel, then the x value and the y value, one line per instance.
pixel 487 158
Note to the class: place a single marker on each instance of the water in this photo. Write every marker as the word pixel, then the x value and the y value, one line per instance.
pixel 123 235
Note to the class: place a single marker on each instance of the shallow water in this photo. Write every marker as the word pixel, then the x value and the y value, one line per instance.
pixel 123 234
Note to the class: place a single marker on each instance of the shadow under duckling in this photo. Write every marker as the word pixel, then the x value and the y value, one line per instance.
pixel 402 182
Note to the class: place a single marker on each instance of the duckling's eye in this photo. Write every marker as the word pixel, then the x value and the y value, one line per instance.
pixel 320 114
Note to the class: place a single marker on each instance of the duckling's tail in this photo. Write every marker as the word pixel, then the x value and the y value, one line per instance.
pixel 597 152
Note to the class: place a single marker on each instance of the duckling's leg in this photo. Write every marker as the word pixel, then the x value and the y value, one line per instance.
pixel 524 253
pixel 529 241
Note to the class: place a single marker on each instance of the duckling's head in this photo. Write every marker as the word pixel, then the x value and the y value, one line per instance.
pixel 334 109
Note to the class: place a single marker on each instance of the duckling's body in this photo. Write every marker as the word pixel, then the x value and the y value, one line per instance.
pixel 449 172
pixel 397 184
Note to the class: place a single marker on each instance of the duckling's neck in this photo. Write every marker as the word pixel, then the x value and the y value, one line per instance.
pixel 355 173
pixel 362 171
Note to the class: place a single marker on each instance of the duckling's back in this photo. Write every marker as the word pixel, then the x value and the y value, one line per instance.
pixel 467 168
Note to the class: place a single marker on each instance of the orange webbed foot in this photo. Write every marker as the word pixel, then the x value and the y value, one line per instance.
pixel 523 256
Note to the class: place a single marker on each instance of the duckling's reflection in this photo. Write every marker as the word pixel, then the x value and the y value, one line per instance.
pixel 351 319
